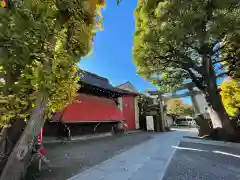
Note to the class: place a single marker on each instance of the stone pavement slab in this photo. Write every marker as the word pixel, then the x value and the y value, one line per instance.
pixel 69 159
pixel 145 161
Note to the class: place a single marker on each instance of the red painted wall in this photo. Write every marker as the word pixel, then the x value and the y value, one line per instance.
pixel 91 108
pixel 128 111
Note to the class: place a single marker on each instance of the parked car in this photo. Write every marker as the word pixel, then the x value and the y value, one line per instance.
pixel 185 121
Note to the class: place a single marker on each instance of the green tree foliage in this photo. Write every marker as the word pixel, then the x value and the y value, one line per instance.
pixel 143 102
pixel 176 107
pixel 178 42
pixel 41 42
pixel 230 92
pixel 172 37
pixel 230 59
pixel 118 1
pixel 30 38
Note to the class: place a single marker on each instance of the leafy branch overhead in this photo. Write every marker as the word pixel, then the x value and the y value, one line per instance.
pixel 41 42
pixel 143 103
pixel 175 39
pixel 36 33
pixel 118 2
pixel 230 59
pixel 178 42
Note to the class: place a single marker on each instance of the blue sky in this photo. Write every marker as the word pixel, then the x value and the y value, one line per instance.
pixel 112 50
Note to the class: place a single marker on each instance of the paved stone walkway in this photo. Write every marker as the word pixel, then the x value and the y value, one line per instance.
pixel 74 157
pixel 148 160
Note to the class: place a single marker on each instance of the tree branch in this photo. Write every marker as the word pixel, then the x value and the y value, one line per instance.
pixel 217 49
pixel 221 60
pixel 222 74
pixel 196 81
pixel 189 64
pixel 194 48
pixel 221 67
pixel 208 15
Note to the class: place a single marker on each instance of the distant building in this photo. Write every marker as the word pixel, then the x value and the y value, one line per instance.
pixel 99 107
pixel 128 104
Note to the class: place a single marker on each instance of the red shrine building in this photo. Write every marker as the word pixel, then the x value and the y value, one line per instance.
pixel 128 103
pixel 99 107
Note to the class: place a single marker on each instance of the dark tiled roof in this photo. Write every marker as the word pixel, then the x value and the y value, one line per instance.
pixel 93 79
pixel 97 81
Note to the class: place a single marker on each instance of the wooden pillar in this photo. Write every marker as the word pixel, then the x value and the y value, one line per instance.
pixel 162 120
pixel 160 116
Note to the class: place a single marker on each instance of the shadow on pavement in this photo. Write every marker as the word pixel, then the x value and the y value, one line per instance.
pixel 72 158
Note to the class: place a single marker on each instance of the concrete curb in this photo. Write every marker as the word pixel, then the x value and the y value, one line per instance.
pixel 87 137
pixel 184 129
pixel 80 138
pixel 134 131
pixel 168 162
pixel 210 142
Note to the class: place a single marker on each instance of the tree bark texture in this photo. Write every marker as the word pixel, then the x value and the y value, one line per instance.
pixel 162 122
pixel 9 138
pixel 21 154
pixel 216 122
pixel 218 113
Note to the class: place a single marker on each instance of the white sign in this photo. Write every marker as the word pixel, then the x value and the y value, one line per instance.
pixel 150 123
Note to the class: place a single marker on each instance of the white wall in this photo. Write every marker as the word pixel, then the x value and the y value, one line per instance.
pixel 136 112
pixel 150 123
pixel 120 103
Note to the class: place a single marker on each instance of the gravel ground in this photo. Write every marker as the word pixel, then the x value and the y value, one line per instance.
pixel 74 157
pixel 204 165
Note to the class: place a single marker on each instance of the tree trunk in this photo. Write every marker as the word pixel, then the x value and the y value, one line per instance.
pixel 21 154
pixel 216 122
pixel 9 138
pixel 218 114
pixel 217 111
